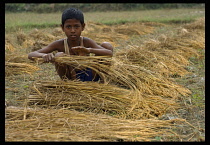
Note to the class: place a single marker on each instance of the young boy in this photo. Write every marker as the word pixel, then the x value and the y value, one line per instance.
pixel 73 25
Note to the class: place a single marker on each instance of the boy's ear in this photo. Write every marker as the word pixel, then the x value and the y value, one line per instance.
pixel 62 26
pixel 83 26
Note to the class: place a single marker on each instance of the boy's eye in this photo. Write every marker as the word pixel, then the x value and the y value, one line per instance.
pixel 75 27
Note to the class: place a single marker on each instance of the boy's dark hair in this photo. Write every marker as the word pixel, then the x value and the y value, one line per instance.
pixel 72 13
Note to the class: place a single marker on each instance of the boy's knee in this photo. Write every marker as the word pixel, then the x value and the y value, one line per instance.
pixel 107 45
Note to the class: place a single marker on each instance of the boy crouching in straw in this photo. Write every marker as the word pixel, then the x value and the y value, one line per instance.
pixel 73 25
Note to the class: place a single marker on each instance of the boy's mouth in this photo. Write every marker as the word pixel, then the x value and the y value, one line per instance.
pixel 73 36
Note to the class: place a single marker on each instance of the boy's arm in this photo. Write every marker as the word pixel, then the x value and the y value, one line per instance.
pixel 93 47
pixel 45 53
pixel 100 51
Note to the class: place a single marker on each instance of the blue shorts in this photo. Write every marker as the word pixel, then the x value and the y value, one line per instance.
pixel 86 75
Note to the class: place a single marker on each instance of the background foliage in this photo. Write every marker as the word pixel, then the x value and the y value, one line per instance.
pixel 88 7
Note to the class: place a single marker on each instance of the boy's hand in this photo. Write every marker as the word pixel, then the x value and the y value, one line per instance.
pixel 80 50
pixel 48 57
pixel 60 54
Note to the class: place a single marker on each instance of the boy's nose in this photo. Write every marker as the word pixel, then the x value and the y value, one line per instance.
pixel 72 29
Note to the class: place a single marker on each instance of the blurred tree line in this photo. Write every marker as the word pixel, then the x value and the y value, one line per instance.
pixel 91 7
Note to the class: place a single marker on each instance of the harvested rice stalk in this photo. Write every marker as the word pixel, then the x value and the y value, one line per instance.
pixel 100 98
pixel 199 24
pixel 125 75
pixel 13 57
pixel 82 95
pixel 70 125
pixel 165 62
pixel 19 68
pixel 166 56
pixel 9 47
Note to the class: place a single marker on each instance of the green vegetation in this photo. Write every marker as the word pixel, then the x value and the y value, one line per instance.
pixel 163 16
pixel 15 21
pixel 93 7
pixel 195 81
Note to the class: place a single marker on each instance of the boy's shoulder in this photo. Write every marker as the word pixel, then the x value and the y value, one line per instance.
pixel 88 40
pixel 59 41
pixel 57 44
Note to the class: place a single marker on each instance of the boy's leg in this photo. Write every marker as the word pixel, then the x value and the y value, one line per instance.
pixel 65 72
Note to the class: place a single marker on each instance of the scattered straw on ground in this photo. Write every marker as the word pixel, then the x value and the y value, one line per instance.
pixel 9 47
pixel 167 55
pixel 13 57
pixel 69 125
pixel 19 68
pixel 136 86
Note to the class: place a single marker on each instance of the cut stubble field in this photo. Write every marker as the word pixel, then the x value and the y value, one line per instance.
pixel 155 88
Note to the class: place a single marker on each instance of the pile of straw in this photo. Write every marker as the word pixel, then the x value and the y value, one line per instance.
pixel 12 68
pixel 166 55
pixel 129 91
pixel 198 24
pixel 126 74
pixel 41 35
pixel 164 62
pixel 9 47
pixel 114 34
pixel 13 57
pixel 137 29
pixel 36 39
pixel 70 125
pixel 99 98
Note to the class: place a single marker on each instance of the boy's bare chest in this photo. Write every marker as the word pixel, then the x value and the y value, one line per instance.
pixel 66 48
pixel 62 49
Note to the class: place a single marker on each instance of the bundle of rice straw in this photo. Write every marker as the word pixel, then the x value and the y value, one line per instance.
pixel 100 98
pixel 87 96
pixel 19 68
pixel 126 74
pixel 129 91
pixel 70 125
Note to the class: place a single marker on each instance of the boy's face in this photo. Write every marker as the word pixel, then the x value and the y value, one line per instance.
pixel 73 29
